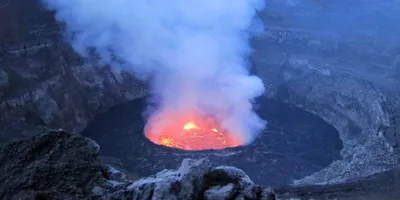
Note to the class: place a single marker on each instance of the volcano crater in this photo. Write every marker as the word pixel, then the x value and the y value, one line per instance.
pixel 295 144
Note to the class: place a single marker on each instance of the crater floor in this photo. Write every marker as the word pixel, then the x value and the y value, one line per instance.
pixel 295 144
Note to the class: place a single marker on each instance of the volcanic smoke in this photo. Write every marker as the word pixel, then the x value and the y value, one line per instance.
pixel 194 54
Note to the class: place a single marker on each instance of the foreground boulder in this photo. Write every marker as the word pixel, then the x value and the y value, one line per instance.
pixel 197 179
pixel 60 165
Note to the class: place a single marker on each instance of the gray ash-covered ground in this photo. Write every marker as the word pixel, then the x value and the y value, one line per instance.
pixel 294 145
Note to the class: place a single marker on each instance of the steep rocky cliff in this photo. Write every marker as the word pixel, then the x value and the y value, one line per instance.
pixel 43 83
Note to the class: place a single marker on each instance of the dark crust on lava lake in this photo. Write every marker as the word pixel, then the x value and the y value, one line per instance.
pixel 295 144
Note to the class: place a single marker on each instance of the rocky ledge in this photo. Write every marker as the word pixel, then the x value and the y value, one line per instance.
pixel 61 165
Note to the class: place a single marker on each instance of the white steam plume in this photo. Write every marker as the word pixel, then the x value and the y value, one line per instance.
pixel 194 51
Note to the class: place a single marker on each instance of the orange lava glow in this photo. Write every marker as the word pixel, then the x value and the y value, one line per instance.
pixel 198 134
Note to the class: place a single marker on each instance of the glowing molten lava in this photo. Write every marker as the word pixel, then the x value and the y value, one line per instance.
pixel 190 125
pixel 199 134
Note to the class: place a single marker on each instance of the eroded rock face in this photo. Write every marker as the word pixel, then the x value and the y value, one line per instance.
pixel 43 83
pixel 61 165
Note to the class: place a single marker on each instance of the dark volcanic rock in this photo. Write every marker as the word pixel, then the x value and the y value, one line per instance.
pixel 57 165
pixel 60 165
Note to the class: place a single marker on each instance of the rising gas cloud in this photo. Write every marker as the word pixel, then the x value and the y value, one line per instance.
pixel 194 52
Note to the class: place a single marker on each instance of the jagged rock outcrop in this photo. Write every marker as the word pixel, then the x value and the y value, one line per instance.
pixel 60 165
pixel 57 165
pixel 197 179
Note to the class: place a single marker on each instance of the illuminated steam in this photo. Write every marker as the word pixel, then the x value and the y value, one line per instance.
pixel 193 51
